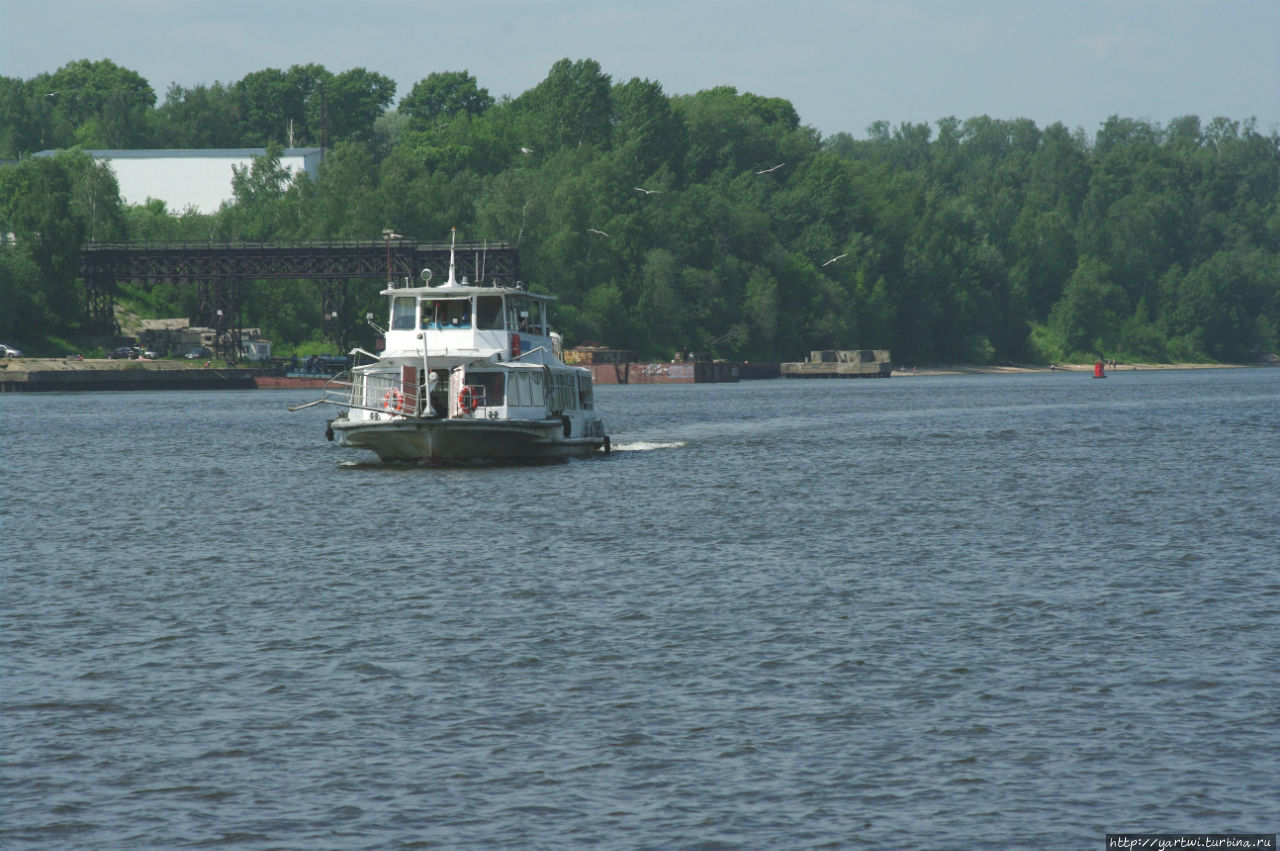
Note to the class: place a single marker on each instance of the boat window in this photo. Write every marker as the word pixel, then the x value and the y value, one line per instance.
pixel 535 394
pixel 585 400
pixel 428 315
pixel 454 313
pixel 489 311
pixel 563 391
pixel 524 314
pixel 402 314
pixel 491 384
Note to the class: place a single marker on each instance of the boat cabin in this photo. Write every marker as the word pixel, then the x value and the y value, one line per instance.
pixel 467 322
pixel 481 390
pixel 462 351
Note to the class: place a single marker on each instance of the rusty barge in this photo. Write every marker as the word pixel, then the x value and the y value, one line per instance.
pixel 618 366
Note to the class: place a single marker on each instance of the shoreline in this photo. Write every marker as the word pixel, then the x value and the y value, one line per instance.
pixel 1019 369
pixel 66 374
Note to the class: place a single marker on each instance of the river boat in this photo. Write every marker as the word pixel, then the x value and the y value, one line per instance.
pixel 469 373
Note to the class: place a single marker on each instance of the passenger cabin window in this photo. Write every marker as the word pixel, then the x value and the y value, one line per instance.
pixel 402 314
pixel 491 385
pixel 536 397
pixel 563 391
pixel 489 312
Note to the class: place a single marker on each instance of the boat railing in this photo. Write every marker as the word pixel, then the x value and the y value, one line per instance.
pixel 531 351
pixel 383 393
pixel 337 390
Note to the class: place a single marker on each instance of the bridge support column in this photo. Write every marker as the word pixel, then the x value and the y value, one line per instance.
pixel 99 294
pixel 218 306
pixel 335 313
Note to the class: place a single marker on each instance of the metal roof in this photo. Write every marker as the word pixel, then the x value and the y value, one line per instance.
pixel 170 153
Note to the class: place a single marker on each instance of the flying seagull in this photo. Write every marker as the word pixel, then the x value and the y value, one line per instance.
pixel 649 191
pixel 834 259
pixel 602 233
pixel 771 170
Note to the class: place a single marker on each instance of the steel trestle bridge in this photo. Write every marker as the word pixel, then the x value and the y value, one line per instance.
pixel 219 271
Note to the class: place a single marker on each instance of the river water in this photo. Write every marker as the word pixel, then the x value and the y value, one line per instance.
pixel 1008 611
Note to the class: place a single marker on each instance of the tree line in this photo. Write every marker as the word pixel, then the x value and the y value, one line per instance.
pixel 713 222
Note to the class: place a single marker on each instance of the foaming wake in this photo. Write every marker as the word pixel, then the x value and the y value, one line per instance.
pixel 647 445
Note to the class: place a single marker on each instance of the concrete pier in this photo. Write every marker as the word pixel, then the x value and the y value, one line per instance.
pixel 35 375
pixel 841 363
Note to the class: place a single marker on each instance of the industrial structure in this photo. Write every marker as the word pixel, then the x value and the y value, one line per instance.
pixel 219 271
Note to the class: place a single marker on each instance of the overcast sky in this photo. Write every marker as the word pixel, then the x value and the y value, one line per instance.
pixel 843 64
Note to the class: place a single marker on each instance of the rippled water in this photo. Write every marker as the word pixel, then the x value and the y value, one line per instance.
pixel 1013 610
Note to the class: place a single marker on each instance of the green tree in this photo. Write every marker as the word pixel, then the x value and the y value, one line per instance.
pixel 38 207
pixel 99 104
pixel 651 132
pixel 572 106
pixel 1225 308
pixel 274 105
pixel 1088 317
pixel 200 117
pixel 349 103
pixel 444 95
pixel 259 211
pixel 25 118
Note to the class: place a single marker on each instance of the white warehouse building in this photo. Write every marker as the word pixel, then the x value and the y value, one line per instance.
pixel 199 179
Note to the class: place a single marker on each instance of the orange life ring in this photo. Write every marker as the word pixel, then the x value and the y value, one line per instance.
pixel 467 400
pixel 394 401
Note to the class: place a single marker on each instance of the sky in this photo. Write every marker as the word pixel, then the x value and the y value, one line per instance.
pixel 843 64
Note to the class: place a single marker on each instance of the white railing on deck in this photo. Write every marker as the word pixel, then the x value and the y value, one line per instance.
pixel 371 391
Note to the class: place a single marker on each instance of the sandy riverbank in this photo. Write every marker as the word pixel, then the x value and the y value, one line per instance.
pixel 98 365
pixel 1007 369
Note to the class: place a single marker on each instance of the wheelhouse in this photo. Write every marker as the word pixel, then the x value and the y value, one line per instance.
pixel 466 321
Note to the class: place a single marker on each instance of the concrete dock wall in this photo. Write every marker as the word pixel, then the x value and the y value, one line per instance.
pixel 54 376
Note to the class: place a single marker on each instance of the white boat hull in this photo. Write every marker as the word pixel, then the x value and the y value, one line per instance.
pixel 466 440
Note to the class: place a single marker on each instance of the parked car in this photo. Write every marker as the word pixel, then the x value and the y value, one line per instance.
pixel 196 354
pixel 9 351
pixel 124 353
pixel 148 354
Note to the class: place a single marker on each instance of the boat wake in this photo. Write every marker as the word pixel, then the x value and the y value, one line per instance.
pixel 648 445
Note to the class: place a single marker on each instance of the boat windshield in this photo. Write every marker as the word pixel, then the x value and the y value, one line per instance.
pixel 446 313
pixel 525 314
pixel 489 312
pixel 402 314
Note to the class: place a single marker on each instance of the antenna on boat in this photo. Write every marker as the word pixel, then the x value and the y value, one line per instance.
pixel 453 238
